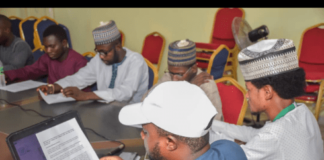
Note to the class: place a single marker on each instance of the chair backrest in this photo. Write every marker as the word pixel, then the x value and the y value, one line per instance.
pixel 89 56
pixel 67 35
pixel 311 49
pixel 222 28
pixel 37 53
pixel 218 61
pixel 26 27
pixel 15 25
pixel 153 73
pixel 153 48
pixel 39 27
pixel 122 36
pixel 234 103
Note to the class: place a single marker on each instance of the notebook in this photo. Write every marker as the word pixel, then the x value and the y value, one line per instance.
pixel 58 138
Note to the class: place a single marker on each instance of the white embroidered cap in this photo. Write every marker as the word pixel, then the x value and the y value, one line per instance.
pixel 178 107
pixel 267 58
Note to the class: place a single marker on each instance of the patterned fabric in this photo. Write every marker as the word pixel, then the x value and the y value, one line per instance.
pixel 114 73
pixel 106 33
pixel 296 135
pixel 182 53
pixel 267 58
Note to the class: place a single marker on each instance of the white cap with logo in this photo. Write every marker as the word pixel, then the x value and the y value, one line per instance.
pixel 178 107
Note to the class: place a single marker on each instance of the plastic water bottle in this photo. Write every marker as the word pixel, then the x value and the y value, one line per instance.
pixel 2 76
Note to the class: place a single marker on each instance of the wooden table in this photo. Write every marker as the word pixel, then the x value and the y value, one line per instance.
pixel 101 117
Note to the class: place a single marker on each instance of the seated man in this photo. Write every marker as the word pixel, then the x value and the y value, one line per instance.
pixel 182 67
pixel 273 79
pixel 14 52
pixel 176 118
pixel 121 74
pixel 58 62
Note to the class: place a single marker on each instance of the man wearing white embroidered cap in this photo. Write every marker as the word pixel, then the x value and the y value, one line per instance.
pixel 273 79
pixel 176 117
pixel 121 74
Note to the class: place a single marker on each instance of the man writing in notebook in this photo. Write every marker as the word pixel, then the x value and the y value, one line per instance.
pixel 175 119
pixel 58 62
pixel 121 74
pixel 273 79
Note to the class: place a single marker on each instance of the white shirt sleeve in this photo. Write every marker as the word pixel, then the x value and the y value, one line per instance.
pixel 265 145
pixel 242 133
pixel 130 84
pixel 86 76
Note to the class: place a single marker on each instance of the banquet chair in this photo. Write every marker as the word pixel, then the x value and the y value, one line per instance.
pixel 26 28
pixel 15 25
pixel 39 27
pixel 217 62
pixel 234 103
pixel 153 73
pixel 37 53
pixel 222 34
pixel 153 48
pixel 67 35
pixel 311 59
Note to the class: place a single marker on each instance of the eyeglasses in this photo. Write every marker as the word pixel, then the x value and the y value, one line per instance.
pixel 179 75
pixel 103 53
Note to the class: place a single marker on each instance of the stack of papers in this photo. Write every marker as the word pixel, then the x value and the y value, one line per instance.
pixel 21 86
pixel 55 98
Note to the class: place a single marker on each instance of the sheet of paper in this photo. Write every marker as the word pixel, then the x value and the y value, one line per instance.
pixel 21 86
pixel 55 98
pixel 66 141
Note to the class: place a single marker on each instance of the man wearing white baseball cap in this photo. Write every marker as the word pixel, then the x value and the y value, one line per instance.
pixel 176 117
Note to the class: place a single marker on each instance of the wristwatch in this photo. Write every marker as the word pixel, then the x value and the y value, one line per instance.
pixel 51 85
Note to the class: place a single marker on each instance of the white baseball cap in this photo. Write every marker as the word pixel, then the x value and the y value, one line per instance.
pixel 178 107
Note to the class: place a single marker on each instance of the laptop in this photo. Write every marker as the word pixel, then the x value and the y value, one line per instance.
pixel 57 138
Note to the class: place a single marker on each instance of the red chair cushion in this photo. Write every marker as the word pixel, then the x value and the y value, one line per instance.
pixel 312 49
pixel 230 43
pixel 203 65
pixel 223 22
pixel 314 75
pixel 307 98
pixel 210 46
pixel 310 88
pixel 232 101
pixel 152 48
pixel 213 46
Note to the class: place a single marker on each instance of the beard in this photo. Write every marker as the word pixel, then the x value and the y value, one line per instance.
pixel 115 59
pixel 156 154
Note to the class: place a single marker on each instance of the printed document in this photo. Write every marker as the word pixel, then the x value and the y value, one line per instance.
pixel 21 86
pixel 66 141
pixel 55 98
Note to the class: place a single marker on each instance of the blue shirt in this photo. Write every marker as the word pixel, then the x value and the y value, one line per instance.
pixel 223 150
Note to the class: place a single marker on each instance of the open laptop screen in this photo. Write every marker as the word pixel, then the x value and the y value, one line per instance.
pixel 58 138
pixel 29 148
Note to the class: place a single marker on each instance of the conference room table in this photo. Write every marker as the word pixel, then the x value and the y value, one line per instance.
pixel 101 117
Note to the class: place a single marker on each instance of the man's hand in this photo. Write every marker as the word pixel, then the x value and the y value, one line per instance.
pixel 75 93
pixel 45 89
pixel 201 78
pixel 111 158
